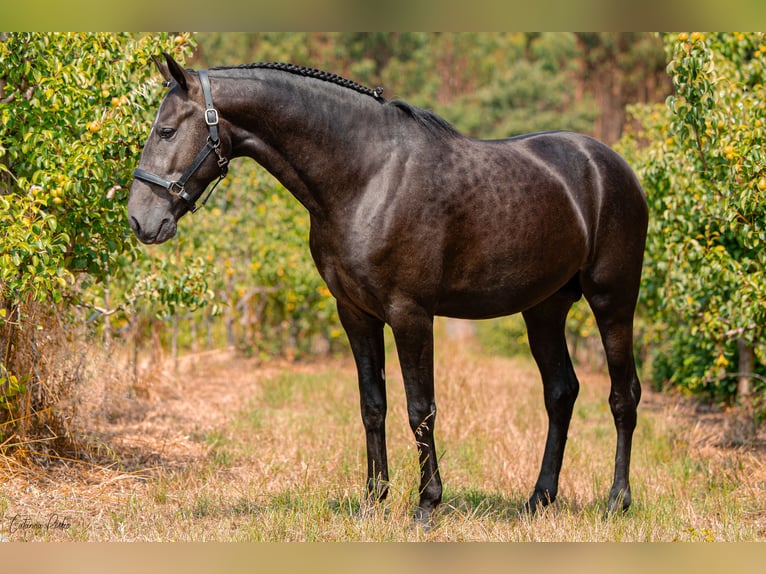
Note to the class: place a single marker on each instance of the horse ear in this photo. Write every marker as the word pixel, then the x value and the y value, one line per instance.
pixel 174 71
pixel 162 67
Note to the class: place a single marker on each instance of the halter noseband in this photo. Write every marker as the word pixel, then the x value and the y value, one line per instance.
pixel 213 144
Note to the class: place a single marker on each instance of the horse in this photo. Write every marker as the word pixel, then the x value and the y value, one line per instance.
pixel 410 219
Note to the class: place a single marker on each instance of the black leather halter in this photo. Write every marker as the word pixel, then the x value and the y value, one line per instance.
pixel 178 188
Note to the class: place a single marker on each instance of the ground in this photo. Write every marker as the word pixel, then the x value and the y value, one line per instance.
pixel 223 447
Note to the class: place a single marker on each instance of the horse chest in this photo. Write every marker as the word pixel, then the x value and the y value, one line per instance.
pixel 345 270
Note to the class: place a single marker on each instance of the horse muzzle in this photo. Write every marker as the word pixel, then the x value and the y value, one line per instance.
pixel 158 233
pixel 153 224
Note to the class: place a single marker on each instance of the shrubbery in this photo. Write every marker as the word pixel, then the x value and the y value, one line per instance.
pixel 702 160
pixel 73 110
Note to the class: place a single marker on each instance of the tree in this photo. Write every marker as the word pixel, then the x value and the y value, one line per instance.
pixel 619 68
pixel 702 159
pixel 72 113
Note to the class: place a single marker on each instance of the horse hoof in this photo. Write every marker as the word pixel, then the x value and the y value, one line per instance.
pixel 424 519
pixel 537 502
pixel 619 502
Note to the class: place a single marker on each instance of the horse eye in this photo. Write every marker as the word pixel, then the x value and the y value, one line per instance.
pixel 167 133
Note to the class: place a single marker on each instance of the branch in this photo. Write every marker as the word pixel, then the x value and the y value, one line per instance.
pixel 101 310
pixel 699 148
pixel 739 331
pixel 737 375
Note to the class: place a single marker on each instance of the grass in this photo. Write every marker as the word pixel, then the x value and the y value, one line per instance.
pixel 233 451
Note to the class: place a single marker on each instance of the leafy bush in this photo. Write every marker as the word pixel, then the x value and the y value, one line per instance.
pixel 72 111
pixel 505 336
pixel 702 159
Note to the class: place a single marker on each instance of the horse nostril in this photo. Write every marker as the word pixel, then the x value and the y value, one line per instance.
pixel 135 226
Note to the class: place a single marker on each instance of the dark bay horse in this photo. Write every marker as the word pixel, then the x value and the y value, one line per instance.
pixel 410 219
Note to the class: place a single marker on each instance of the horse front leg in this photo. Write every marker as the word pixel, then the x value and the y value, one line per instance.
pixel 365 334
pixel 413 333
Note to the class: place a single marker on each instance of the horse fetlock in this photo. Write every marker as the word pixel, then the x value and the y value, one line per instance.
pixel 430 499
pixel 377 489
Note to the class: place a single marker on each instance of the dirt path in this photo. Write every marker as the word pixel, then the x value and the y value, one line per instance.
pixel 137 436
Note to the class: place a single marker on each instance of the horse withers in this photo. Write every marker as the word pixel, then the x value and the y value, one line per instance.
pixel 409 220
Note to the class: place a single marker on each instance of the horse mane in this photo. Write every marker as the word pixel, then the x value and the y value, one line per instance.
pixel 305 71
pixel 425 118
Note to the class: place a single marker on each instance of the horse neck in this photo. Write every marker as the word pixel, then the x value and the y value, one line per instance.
pixel 315 137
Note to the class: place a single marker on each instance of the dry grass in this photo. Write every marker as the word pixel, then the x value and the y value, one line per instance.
pixel 227 449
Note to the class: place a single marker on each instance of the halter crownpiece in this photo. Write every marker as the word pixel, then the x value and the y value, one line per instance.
pixel 213 144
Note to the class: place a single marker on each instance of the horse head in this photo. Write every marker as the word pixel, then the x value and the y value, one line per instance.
pixel 186 150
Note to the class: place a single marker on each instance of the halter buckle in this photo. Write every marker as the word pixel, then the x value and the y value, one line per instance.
pixel 211 117
pixel 176 189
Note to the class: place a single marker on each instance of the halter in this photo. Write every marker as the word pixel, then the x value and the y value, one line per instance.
pixel 213 144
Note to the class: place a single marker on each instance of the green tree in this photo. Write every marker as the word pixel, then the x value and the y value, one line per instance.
pixel 73 111
pixel 617 69
pixel 702 159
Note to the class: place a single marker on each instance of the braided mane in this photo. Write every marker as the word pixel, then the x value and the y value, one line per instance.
pixel 425 118
pixel 377 93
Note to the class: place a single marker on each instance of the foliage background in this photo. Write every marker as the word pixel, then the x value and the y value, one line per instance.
pixel 702 160
pixel 75 109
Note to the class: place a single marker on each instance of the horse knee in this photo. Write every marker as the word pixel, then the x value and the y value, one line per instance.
pixel 373 416
pixel 561 397
pixel 567 393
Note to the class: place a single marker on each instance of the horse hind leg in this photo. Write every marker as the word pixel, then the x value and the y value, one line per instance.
pixel 613 308
pixel 545 328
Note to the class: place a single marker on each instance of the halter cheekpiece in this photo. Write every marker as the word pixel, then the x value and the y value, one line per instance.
pixel 212 145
